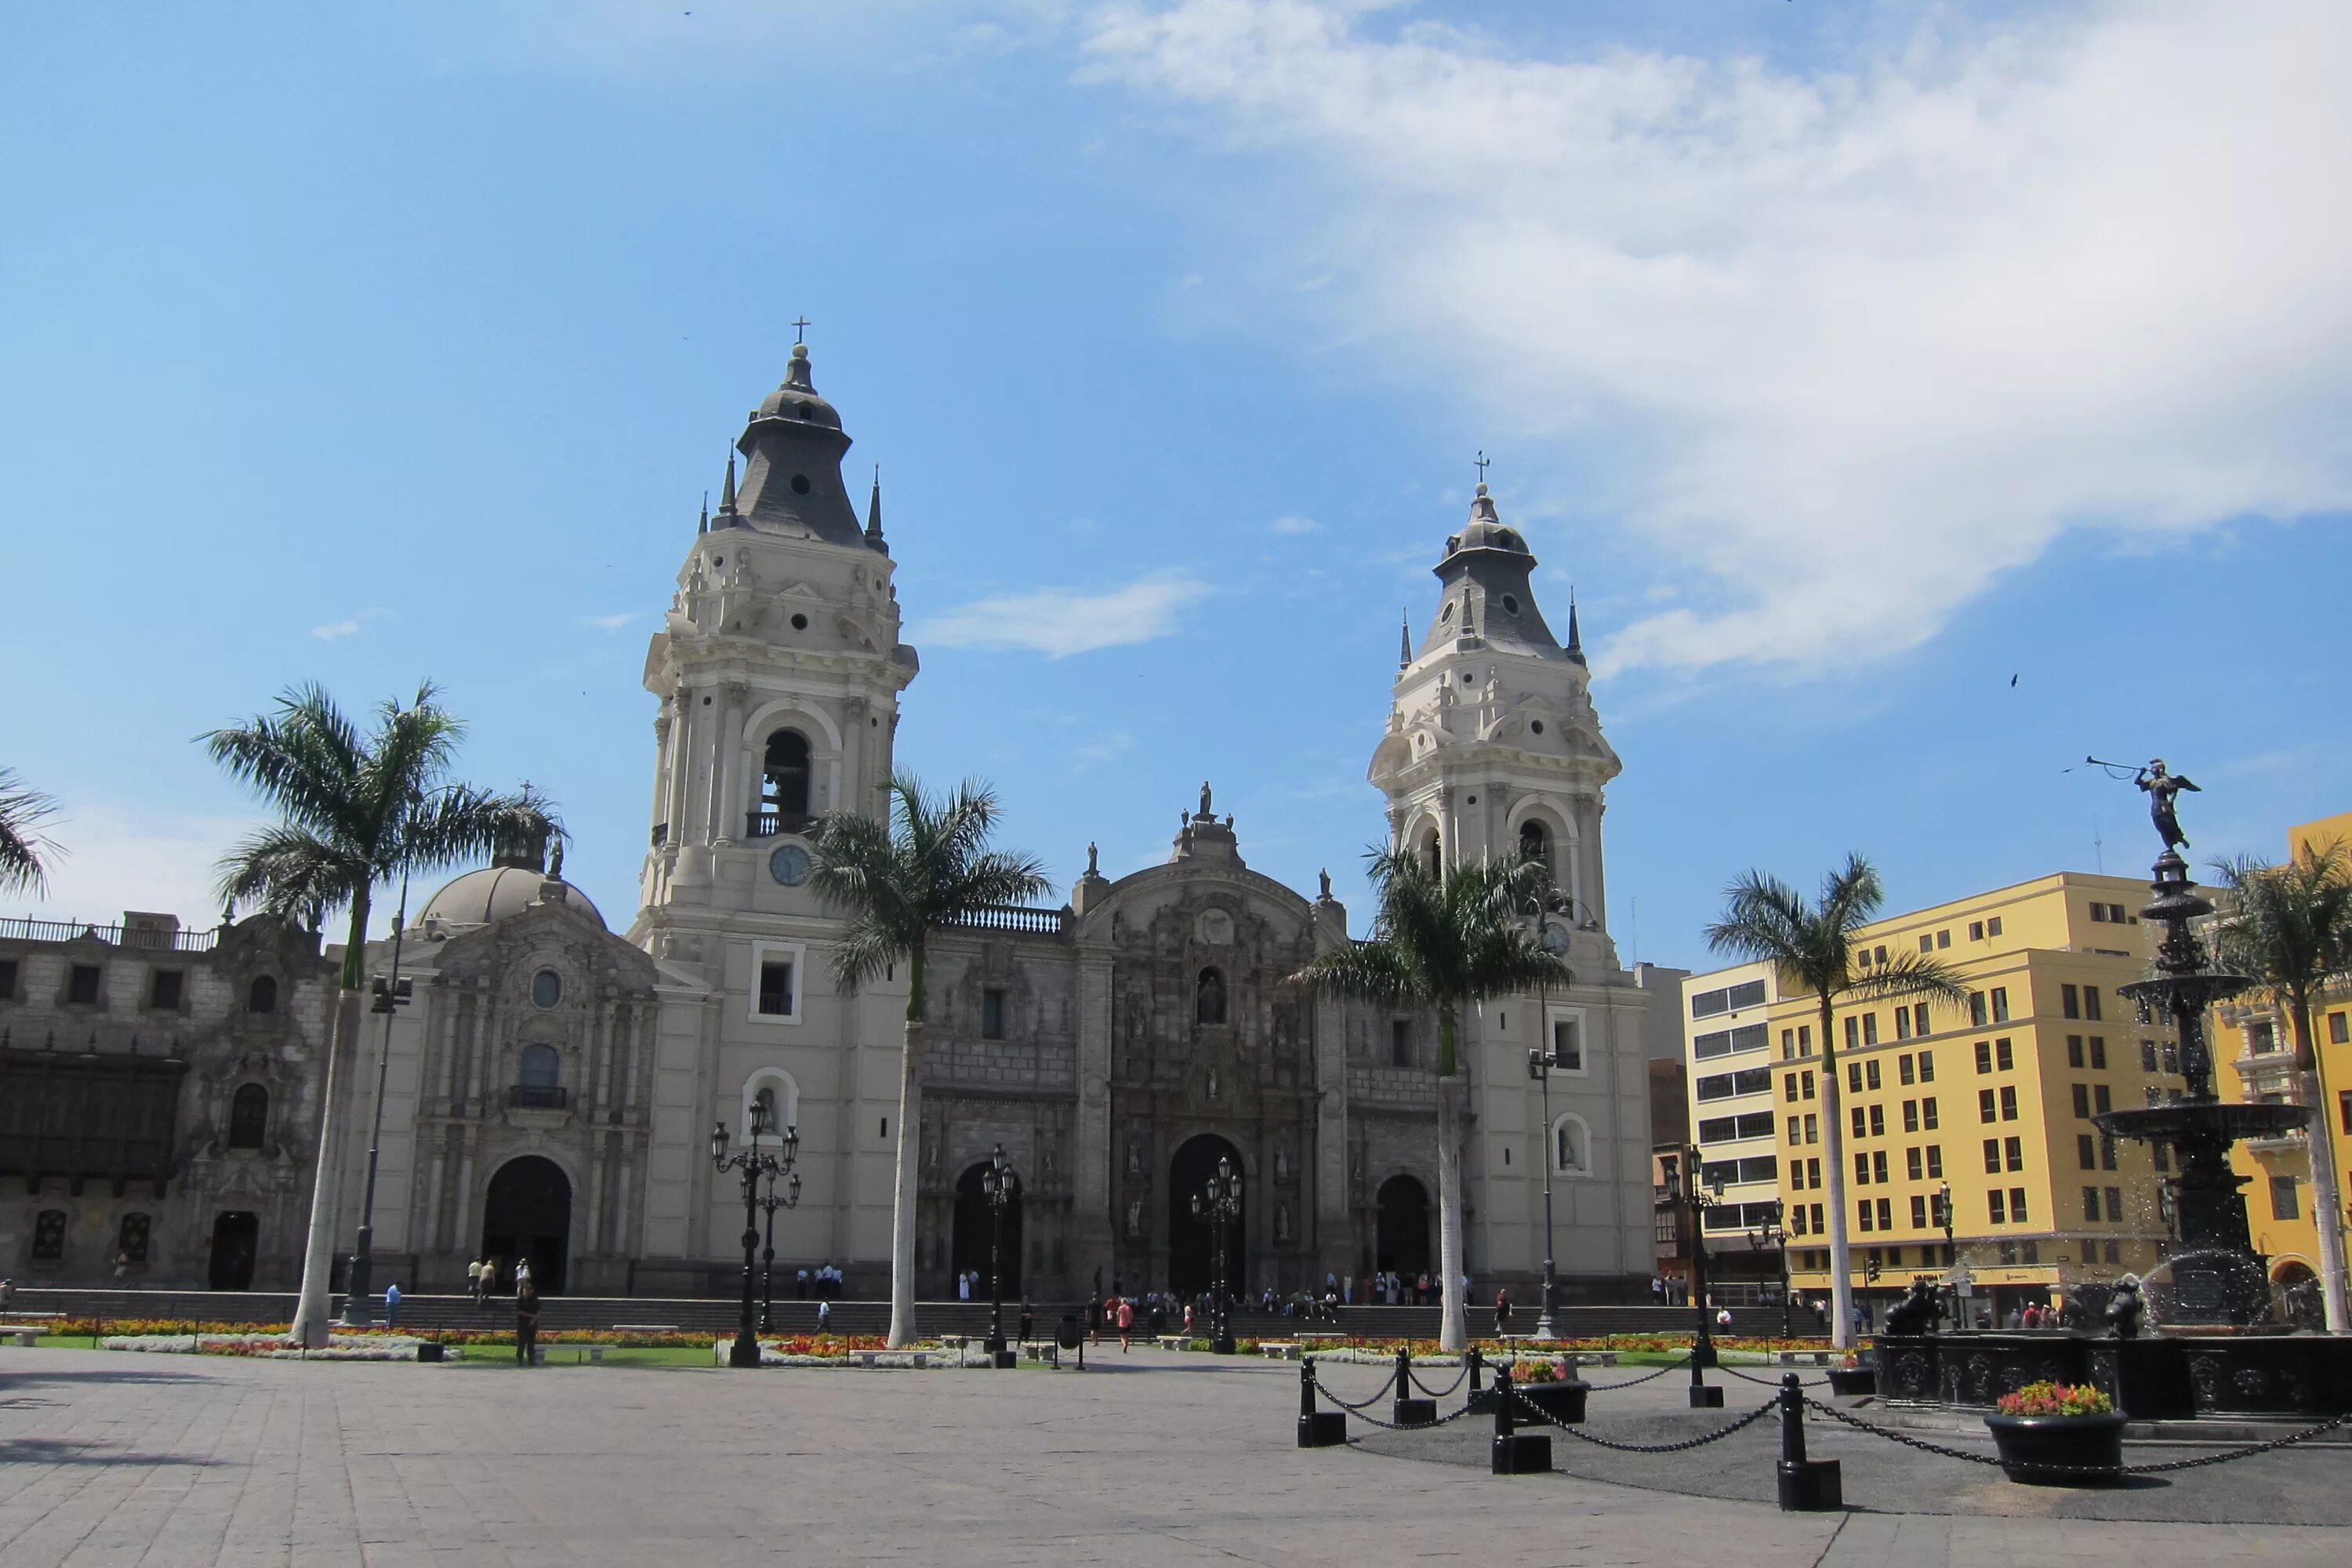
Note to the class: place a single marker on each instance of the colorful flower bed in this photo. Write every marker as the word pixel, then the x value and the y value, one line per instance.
pixel 2056 1399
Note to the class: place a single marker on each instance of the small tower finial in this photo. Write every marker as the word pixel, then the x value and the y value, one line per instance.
pixel 1404 638
pixel 702 525
pixel 1575 650
pixel 800 330
pixel 1481 466
pixel 874 514
pixel 727 495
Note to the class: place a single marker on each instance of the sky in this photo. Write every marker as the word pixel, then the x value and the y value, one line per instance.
pixel 1916 399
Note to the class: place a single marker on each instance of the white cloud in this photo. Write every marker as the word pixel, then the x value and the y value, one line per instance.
pixel 334 629
pixel 1061 622
pixel 1863 338
pixel 611 623
pixel 1107 747
pixel 114 860
pixel 1294 525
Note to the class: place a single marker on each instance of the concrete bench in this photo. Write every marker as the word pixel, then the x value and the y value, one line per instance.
pixel 24 1337
pixel 872 1358
pixel 644 1327
pixel 1279 1349
pixel 1172 1341
pixel 1805 1357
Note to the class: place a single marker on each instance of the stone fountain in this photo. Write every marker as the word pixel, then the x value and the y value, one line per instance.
pixel 2217 1348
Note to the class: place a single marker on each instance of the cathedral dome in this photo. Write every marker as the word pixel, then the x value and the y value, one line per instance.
pixel 1485 533
pixel 492 893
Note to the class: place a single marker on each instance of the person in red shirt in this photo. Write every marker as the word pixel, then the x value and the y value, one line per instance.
pixel 1126 1322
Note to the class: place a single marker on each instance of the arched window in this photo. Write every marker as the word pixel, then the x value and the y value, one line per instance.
pixel 784 775
pixel 1535 843
pixel 1431 859
pixel 131 1237
pixel 261 997
pixel 248 1117
pixel 1571 1147
pixel 546 988
pixel 541 1067
pixel 1209 998
pixel 49 1235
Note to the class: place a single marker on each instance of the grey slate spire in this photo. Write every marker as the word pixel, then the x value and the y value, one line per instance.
pixel 874 516
pixel 727 496
pixel 1404 638
pixel 1575 649
pixel 703 526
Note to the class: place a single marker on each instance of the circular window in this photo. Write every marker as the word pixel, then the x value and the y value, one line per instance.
pixel 800 623
pixel 808 410
pixel 719 561
pixel 800 484
pixel 706 702
pixel 1446 613
pixel 546 988
pixel 1510 604
pixel 1536 726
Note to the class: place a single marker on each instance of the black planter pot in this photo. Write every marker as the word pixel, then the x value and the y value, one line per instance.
pixel 1561 1401
pixel 2059 1450
pixel 1854 1380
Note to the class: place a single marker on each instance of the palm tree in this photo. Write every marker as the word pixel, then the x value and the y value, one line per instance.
pixel 2290 927
pixel 22 844
pixel 354 810
pixel 925 869
pixel 1810 949
pixel 1441 942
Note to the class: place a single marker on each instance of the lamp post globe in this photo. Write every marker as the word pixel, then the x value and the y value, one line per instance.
pixel 1220 1203
pixel 1001 1186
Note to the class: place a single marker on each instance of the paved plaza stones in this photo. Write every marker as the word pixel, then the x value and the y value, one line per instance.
pixel 1153 1458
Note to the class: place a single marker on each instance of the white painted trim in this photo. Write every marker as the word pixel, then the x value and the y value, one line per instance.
pixel 796 952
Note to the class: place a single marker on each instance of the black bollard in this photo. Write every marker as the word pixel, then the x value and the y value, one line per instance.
pixel 1410 1411
pixel 1515 1453
pixel 1318 1428
pixel 1477 1365
pixel 1807 1486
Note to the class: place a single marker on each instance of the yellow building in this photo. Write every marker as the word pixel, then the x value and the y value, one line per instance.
pixel 2256 1037
pixel 1990 1103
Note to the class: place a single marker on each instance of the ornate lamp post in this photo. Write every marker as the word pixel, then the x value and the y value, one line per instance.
pixel 1773 1234
pixel 769 1201
pixel 1684 1183
pixel 388 996
pixel 1220 1203
pixel 1001 1186
pixel 757 1164
pixel 1540 1062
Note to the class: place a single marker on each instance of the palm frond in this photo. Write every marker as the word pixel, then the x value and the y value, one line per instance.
pixel 22 844
pixel 306 760
pixel 1910 975
pixel 1374 972
pixel 288 871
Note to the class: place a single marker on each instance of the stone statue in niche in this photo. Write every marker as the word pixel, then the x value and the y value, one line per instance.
pixel 1046 1162
pixel 1325 879
pixel 1212 1083
pixel 1135 1216
pixel 1215 927
pixel 1282 1222
pixel 1282 1162
pixel 932 1153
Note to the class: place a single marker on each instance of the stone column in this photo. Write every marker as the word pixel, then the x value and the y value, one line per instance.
pixel 1093 1229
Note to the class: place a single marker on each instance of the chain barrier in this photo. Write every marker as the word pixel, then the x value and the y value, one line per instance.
pixel 1447 1391
pixel 2200 1462
pixel 1547 1419
pixel 1768 1382
pixel 1377 1393
pixel 1629 1381
pixel 1414 1426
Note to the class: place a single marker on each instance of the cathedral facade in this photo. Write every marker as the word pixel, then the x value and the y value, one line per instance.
pixel 553 1083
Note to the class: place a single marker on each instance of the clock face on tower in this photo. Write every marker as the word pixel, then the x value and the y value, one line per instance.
pixel 789 865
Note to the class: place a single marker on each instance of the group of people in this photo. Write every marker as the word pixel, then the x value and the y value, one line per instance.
pixel 970 1284
pixel 484 1278
pixel 825 1282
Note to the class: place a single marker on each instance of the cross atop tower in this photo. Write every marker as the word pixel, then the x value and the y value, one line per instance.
pixel 1482 465
pixel 800 330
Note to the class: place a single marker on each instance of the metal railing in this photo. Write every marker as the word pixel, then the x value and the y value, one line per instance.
pixel 159 938
pixel 538 1097
pixel 768 824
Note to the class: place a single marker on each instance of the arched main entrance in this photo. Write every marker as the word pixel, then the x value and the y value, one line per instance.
pixel 1192 1243
pixel 974 1224
pixel 1403 1240
pixel 529 1215
pixel 236 1236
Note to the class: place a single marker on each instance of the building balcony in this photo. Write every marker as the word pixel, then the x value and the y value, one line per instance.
pixel 537 1097
pixel 769 824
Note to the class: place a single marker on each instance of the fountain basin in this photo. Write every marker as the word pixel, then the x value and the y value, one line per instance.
pixel 2190 1119
pixel 2158 1378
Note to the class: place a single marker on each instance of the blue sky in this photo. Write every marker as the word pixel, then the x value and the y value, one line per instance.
pixel 1848 360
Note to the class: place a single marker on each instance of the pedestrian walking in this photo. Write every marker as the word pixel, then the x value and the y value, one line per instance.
pixel 824 1317
pixel 526 1321
pixel 474 1280
pixel 392 1305
pixel 799 1285
pixel 1126 1322
pixel 1502 1311
pixel 121 1267
pixel 1028 1321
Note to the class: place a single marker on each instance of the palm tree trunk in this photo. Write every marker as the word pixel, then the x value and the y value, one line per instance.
pixel 1454 1333
pixel 904 1193
pixel 1833 1157
pixel 2326 1196
pixel 315 1308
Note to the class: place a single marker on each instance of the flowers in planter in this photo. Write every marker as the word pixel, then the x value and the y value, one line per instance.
pixel 2056 1399
pixel 1526 1372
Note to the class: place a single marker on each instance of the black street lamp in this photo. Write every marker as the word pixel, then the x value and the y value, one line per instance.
pixel 387 996
pixel 1220 1203
pixel 1540 1063
pixel 1773 1234
pixel 1684 1183
pixel 769 1201
pixel 757 1164
pixel 1001 1186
